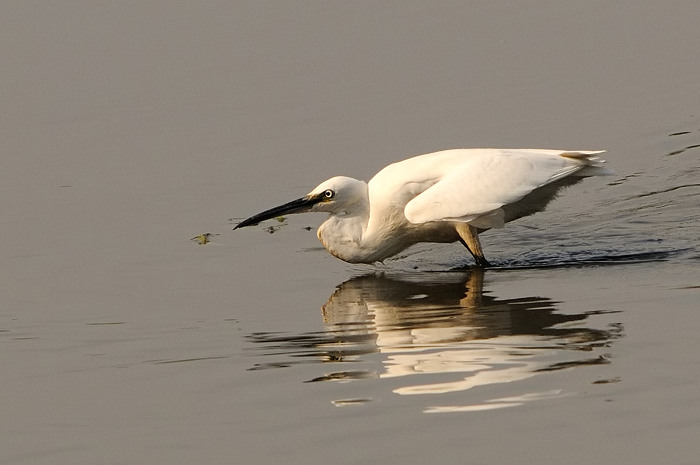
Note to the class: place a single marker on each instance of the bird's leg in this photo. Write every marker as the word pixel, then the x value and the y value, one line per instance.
pixel 469 237
pixel 474 291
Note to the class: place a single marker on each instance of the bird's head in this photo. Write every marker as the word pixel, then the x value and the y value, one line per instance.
pixel 338 195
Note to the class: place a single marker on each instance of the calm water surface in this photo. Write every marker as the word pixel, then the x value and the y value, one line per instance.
pixel 129 130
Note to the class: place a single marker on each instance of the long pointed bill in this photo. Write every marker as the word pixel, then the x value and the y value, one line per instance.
pixel 301 205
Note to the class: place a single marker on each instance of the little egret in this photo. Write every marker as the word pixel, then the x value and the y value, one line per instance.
pixel 446 196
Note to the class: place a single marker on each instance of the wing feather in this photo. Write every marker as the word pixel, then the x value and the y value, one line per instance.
pixel 486 180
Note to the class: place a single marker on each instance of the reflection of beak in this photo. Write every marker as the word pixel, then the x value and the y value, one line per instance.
pixel 301 205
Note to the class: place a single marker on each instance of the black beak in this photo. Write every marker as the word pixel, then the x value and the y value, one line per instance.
pixel 301 205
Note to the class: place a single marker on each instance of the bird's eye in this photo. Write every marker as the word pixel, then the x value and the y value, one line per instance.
pixel 329 194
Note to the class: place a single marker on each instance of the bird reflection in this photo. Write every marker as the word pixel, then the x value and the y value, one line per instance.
pixel 444 325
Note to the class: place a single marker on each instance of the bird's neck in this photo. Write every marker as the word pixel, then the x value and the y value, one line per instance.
pixel 349 239
pixel 342 236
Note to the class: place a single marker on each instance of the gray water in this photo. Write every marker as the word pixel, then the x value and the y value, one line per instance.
pixel 128 129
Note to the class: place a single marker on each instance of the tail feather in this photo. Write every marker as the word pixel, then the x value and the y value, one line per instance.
pixel 594 165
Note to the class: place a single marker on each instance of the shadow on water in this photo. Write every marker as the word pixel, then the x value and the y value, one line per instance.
pixel 442 325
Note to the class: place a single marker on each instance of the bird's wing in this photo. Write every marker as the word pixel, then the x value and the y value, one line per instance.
pixel 481 184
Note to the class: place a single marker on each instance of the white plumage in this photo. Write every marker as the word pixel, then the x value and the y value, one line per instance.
pixel 446 196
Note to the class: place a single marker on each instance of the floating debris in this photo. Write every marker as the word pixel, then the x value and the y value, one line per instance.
pixel 203 239
pixel 272 229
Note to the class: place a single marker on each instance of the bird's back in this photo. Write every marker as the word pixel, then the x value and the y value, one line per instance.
pixel 464 184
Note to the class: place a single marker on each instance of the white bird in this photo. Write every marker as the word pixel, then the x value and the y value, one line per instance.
pixel 446 196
